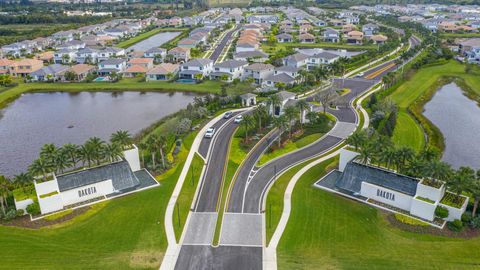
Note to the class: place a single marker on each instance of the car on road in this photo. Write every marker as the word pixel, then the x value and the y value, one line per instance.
pixel 227 115
pixel 238 119
pixel 361 74
pixel 209 133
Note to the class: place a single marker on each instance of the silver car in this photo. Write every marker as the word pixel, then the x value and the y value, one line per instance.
pixel 209 133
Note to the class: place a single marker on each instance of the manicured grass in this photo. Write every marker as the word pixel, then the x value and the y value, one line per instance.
pixel 459 35
pixel 185 198
pixel 408 132
pixel 123 85
pixel 134 40
pixel 328 231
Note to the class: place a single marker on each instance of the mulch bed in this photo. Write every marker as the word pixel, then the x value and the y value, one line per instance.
pixel 466 233
pixel 24 221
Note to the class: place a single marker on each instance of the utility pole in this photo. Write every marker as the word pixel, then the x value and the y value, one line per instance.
pixel 178 214
pixel 193 177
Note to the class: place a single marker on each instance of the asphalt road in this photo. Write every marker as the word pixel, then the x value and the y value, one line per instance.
pixel 212 179
pixel 252 182
pixel 220 258
pixel 218 50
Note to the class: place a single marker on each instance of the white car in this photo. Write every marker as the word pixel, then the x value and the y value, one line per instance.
pixel 361 74
pixel 209 133
pixel 238 119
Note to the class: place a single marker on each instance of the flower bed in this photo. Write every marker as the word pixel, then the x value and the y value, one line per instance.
pixel 432 182
pixel 24 193
pixel 425 199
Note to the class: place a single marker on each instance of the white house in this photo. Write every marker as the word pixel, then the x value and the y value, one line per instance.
pixel 196 66
pixel 297 60
pixel 232 69
pixel 331 35
pixel 87 55
pixel 258 71
pixel 107 67
pixel 385 187
pixel 322 58
pixel 65 56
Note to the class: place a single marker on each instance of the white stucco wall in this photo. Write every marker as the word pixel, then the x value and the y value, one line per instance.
pixel 50 204
pixel 402 201
pixel 46 187
pixel 345 157
pixel 132 157
pixel 101 188
pixel 434 194
pixel 423 209
pixel 23 205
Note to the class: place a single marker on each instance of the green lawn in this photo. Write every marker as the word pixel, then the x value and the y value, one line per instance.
pixel 185 198
pixel 134 40
pixel 326 231
pixel 408 131
pixel 126 84
pixel 327 45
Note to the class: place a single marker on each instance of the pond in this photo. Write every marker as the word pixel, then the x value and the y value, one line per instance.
pixel 40 118
pixel 153 41
pixel 458 118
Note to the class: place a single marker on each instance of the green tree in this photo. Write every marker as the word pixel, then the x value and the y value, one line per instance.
pixel 462 179
pixel 48 152
pixel 40 167
pixel 474 189
pixel 4 192
pixel 23 179
pixel 274 101
pixel 96 145
pixel 302 106
pixel 61 161
pixel 71 150
pixel 291 113
pixel 112 151
pixel 247 122
pixel 311 117
pixel 86 154
pixel 281 123
pixel 122 138
pixel 357 139
pixel 70 76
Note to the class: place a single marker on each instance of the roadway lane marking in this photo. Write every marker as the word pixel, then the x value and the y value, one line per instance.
pixel 376 73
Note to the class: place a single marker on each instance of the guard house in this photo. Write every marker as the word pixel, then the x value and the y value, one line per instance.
pixel 84 186
pixel 380 186
pixel 248 99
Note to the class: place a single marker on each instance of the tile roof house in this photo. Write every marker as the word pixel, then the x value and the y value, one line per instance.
pixel 355 37
pixel 295 60
pixel 144 62
pixel 156 53
pixel 258 71
pixel 231 69
pixel 48 73
pixel 26 66
pixel 107 67
pixel 331 35
pixel 162 72
pixel 81 71
pixel 7 66
pixel 370 29
pixel 306 38
pixel 196 67
pixel 251 56
pixel 134 71
pixel 281 38
pixel 379 39
pixel 179 54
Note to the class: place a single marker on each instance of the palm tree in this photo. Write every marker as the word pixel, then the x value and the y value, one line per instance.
pixel 121 138
pixel 311 117
pixel 247 122
pixel 112 151
pixel 142 146
pixel 4 192
pixel 291 113
pixel 357 139
pixel 474 189
pixel 461 180
pixel 302 106
pixel 161 141
pixel 387 156
pixel 61 162
pixel 48 152
pixel 438 170
pixel 274 101
pixel 259 114
pixel 23 179
pixel 282 124
pixel 152 147
pixel 429 154
pixel 86 154
pixel 71 150
pixel 40 167
pixel 405 154
pixel 96 146
pixel 366 153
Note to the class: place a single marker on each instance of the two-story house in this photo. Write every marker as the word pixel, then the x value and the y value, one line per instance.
pixel 179 54
pixel 258 71
pixel 110 52
pixel 87 56
pixel 109 66
pixel 370 29
pixel 198 67
pixel 228 70
pixel 322 58
pixel 296 60
pixel 65 56
pixel 331 35
pixel 26 66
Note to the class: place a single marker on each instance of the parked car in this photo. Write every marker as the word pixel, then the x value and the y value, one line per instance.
pixel 238 119
pixel 209 133
pixel 227 115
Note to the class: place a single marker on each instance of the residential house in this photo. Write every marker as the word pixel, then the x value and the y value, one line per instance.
pixel 470 48
pixel 258 71
pixel 87 55
pixel 282 78
pixel 370 29
pixel 162 72
pixel 16 49
pixel 26 66
pixel 231 69
pixel 331 35
pixel 251 56
pixel 71 45
pixel 348 28
pixel 248 99
pixel 63 36
pixel 81 71
pixel 289 70
pixel 115 32
pixel 320 23
pixel 355 37
pixel 306 38
pixel 188 43
pixel 65 56
pixel 135 71
pixel 379 39
pixel 246 46
pixel 155 53
pixel 282 38
pixel 196 67
pixel 352 20
pixel 322 58
pixel 7 66
pixel 109 66
pixel 179 54
pixel 284 97
pixel 110 52
pixel 305 29
pixel 447 26
pixel 296 60
pixel 48 73
pixel 144 62
pixel 46 57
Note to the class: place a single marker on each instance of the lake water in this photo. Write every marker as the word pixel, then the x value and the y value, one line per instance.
pixel 154 41
pixel 458 118
pixel 40 118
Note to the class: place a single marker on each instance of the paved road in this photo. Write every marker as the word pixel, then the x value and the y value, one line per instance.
pixel 220 258
pixel 219 49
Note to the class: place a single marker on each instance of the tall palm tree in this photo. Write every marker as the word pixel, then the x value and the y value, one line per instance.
pixel 86 154
pixel 282 124
pixel 474 189
pixel 247 122
pixel 405 154
pixel 71 150
pixel 366 153
pixel 23 179
pixel 302 106
pixel 161 142
pixel 438 170
pixel 142 146
pixel 112 151
pixel 463 177
pixel 48 152
pixel 311 117
pixel 4 192
pixel 61 162
pixel 121 138
pixel 274 101
pixel 259 114
pixel 291 113
pixel 429 154
pixel 357 139
pixel 152 147
pixel 387 156
pixel 40 167
pixel 96 146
